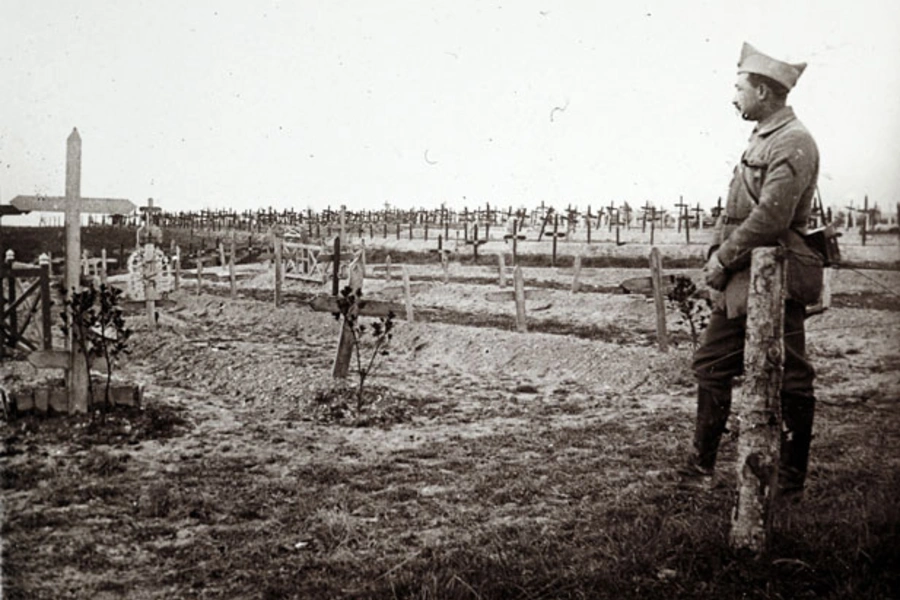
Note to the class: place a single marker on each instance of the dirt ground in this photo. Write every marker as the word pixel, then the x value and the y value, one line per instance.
pixel 544 459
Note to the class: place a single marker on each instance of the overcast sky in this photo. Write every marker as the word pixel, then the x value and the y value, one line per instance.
pixel 245 104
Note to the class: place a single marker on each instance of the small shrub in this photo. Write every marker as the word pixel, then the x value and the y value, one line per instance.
pixel 350 302
pixel 692 305
pixel 94 318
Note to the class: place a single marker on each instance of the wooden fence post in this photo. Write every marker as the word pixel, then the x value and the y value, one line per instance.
pixel 177 268
pixel 576 279
pixel 659 299
pixel 759 406
pixel 11 296
pixel 555 237
pixel 276 247
pixel 519 281
pixel 407 295
pixel 44 261
pixel 232 279
pixel 104 275
pixel 514 240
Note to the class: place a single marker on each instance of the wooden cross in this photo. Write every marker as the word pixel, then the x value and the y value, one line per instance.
pixel 682 212
pixel 717 210
pixel 646 208
pixel 627 210
pixel 73 205
pixel 698 214
pixel 370 308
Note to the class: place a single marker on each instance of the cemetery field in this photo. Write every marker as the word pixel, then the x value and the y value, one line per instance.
pixel 487 463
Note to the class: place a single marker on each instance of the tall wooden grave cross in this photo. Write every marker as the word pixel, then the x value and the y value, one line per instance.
pixel 645 211
pixel 610 209
pixel 72 204
pixel 682 212
pixel 148 237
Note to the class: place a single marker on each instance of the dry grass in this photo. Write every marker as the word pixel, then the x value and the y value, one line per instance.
pixel 465 483
pixel 582 511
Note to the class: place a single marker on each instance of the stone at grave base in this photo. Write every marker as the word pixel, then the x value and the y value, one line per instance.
pixel 58 400
pixel 120 394
pixel 22 401
pixel 41 399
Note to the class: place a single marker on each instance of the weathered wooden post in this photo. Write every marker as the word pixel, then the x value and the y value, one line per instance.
pixel 104 275
pixel 387 267
pixel 659 300
pixel 341 367
pixel 898 222
pixel 279 276
pixel 445 267
pixel 555 238
pixel 362 257
pixel 759 407
pixel 232 279
pixel 11 294
pixel 77 374
pixel 576 278
pixel 44 262
pixel 519 281
pixel 514 240
pixel 177 268
pixel 199 275
pixel 501 265
pixel 336 268
pixel 865 220
pixel 407 295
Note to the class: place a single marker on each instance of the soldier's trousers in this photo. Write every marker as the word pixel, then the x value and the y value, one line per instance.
pixel 720 358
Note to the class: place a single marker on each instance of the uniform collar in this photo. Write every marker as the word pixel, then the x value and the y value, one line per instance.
pixel 776 120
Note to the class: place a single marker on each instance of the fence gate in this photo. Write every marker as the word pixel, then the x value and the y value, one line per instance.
pixel 24 293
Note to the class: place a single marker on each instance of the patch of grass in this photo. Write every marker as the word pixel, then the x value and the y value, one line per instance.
pixel 581 508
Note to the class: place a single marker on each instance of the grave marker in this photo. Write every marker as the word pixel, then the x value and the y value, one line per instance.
pixel 73 205
pixel 659 299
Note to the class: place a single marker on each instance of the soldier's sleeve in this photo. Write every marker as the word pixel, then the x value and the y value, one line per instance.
pixel 792 165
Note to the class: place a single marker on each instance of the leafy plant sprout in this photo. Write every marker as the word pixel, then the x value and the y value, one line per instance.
pixel 349 303
pixel 98 331
pixel 692 305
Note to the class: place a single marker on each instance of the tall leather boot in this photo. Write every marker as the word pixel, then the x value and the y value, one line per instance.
pixel 712 415
pixel 797 412
pixel 713 408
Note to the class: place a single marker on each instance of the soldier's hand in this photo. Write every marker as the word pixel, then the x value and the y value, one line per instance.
pixel 714 274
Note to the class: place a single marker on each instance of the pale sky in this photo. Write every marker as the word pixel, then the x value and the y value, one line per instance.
pixel 247 104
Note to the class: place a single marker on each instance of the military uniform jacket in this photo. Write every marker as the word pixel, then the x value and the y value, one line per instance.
pixel 769 203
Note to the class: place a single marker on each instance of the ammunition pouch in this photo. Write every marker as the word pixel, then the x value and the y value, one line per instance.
pixel 824 242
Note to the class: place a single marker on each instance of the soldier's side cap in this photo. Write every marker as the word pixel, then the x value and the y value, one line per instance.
pixel 754 61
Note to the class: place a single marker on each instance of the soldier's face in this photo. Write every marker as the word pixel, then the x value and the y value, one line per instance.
pixel 746 98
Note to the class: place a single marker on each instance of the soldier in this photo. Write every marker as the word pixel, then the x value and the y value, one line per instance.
pixel 769 203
